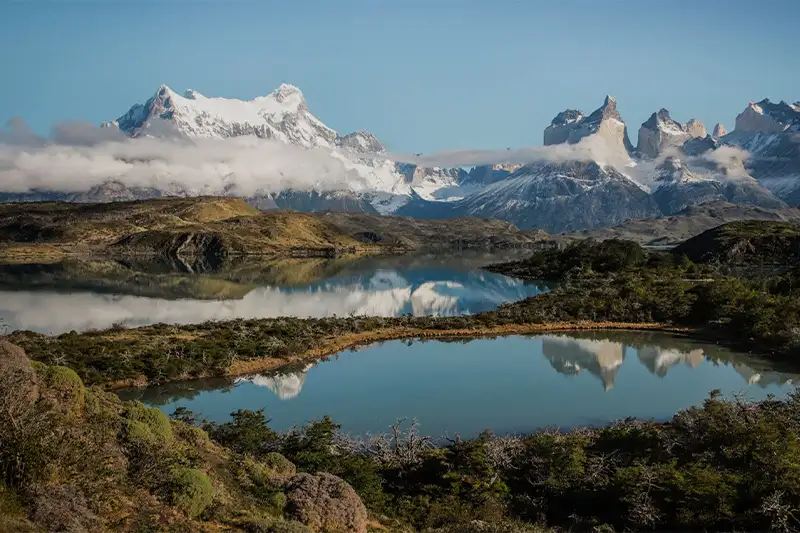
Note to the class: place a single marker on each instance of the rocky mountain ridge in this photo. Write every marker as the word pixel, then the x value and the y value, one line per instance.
pixel 673 165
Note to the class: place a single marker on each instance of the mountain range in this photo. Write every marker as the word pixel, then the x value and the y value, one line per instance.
pixel 588 175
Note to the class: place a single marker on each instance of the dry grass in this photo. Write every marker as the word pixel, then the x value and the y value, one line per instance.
pixel 332 345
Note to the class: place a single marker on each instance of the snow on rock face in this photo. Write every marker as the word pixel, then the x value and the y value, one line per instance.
pixel 660 132
pixel 361 141
pixel 695 128
pixel 282 115
pixel 766 117
pixel 770 133
pixel 570 126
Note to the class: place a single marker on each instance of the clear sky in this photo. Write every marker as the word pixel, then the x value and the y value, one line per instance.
pixel 423 75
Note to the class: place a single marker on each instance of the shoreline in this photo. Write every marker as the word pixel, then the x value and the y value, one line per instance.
pixel 330 346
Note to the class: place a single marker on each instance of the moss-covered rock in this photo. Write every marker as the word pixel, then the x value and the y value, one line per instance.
pixel 190 490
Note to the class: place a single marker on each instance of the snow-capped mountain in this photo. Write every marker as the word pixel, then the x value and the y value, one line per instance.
pixel 771 134
pixel 282 116
pixel 595 178
pixel 678 186
pixel 555 197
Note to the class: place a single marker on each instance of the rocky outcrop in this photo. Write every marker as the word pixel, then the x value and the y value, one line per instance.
pixel 766 117
pixel 570 126
pixel 325 503
pixel 18 390
pixel 695 128
pixel 770 134
pixel 700 145
pixel 719 131
pixel 487 174
pixel 660 132
pixel 361 141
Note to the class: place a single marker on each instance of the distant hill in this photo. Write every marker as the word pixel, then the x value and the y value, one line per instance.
pixel 213 228
pixel 686 224
pixel 750 241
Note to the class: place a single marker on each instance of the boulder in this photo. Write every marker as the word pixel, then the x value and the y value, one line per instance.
pixel 325 503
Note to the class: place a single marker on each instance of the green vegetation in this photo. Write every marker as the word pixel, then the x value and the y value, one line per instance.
pixel 749 242
pixel 606 282
pixel 191 490
pixel 216 229
pixel 108 465
pixel 725 465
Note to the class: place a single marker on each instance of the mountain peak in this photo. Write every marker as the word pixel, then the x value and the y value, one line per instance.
pixel 719 131
pixel 660 132
pixel 766 117
pixel 286 91
pixel 570 126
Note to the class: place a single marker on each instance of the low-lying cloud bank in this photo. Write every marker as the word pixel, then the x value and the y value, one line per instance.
pixel 78 156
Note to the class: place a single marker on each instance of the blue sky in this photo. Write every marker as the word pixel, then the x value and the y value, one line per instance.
pixel 423 75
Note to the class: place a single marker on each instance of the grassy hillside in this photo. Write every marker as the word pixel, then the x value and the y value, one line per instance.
pixel 216 228
pixel 688 223
pixel 427 233
pixel 746 242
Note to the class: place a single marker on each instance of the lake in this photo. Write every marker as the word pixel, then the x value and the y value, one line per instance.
pixel 81 295
pixel 510 384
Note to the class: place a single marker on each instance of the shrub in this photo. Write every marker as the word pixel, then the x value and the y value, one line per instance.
pixel 279 465
pixel 146 425
pixel 191 490
pixel 248 433
pixel 63 386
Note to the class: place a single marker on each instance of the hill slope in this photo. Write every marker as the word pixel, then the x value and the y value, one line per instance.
pixel 686 224
pixel 753 241
pixel 214 228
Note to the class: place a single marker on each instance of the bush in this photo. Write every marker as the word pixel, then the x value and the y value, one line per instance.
pixel 63 386
pixel 146 426
pixel 248 433
pixel 191 490
pixel 279 465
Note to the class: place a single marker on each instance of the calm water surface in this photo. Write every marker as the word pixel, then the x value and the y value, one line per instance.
pixel 509 384
pixel 82 295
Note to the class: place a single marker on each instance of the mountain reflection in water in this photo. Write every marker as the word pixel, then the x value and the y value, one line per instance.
pixel 92 295
pixel 505 384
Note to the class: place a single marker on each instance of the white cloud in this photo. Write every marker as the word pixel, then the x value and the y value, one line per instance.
pixel 79 156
